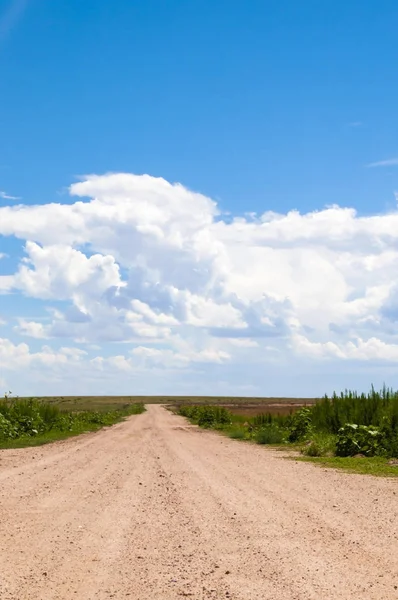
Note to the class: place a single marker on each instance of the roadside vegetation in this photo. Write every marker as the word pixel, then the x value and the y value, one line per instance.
pixel 31 422
pixel 339 431
pixel 102 403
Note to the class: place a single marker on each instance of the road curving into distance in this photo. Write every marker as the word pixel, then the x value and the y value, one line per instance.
pixel 156 509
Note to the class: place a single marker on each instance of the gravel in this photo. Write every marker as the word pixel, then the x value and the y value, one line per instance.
pixel 156 509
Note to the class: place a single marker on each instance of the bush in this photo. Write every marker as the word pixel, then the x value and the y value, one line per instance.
pixel 29 418
pixel 30 424
pixel 360 439
pixel 389 431
pixel 191 412
pixel 320 444
pixel 374 431
pixel 313 449
pixel 237 433
pixel 269 435
pixel 300 425
pixel 207 416
pixel 7 429
pixel 330 414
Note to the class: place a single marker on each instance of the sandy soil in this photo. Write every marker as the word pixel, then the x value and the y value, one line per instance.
pixel 156 509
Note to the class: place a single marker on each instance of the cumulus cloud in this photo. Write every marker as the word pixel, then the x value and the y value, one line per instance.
pixel 372 349
pixel 140 261
pixel 32 329
pixel 60 272
pixel 18 356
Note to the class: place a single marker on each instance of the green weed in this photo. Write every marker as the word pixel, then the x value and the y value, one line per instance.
pixel 207 416
pixel 237 433
pixel 343 425
pixel 376 466
pixel 269 435
pixel 31 422
pixel 320 444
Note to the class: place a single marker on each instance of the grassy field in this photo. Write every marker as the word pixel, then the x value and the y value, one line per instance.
pixel 32 422
pixel 249 406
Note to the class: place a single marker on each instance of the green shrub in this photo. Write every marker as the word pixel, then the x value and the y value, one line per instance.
pixel 207 416
pixel 269 435
pixel 191 412
pixel 237 433
pixel 30 418
pixel 7 429
pixel 300 425
pixel 360 439
pixel 330 414
pixel 31 424
pixel 313 449
pixel 389 431
pixel 320 444
pixel 375 429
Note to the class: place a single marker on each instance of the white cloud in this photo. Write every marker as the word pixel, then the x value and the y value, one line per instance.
pixel 372 349
pixel 31 329
pixel 60 272
pixel 139 261
pixel 6 196
pixel 168 358
pixel 242 342
pixel 6 282
pixel 18 356
pixel 205 312
pixel 390 162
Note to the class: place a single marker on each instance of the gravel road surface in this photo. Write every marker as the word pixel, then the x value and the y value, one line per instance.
pixel 156 509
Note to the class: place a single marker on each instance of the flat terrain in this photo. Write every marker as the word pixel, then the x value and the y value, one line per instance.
pixel 156 509
pixel 275 408
pixel 115 402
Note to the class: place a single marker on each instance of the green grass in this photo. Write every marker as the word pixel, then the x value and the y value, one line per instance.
pixel 330 414
pixel 45 438
pixel 376 466
pixel 319 444
pixel 269 435
pixel 34 423
pixel 92 403
pixel 236 433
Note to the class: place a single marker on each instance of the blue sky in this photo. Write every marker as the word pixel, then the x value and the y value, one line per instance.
pixel 259 106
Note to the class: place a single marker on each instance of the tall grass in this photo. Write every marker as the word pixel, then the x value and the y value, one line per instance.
pixel 344 424
pixel 30 418
pixel 320 444
pixel 267 419
pixel 269 435
pixel 207 416
pixel 262 429
pixel 14 409
pixel 330 414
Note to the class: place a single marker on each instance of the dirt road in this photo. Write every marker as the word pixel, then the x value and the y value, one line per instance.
pixel 154 509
